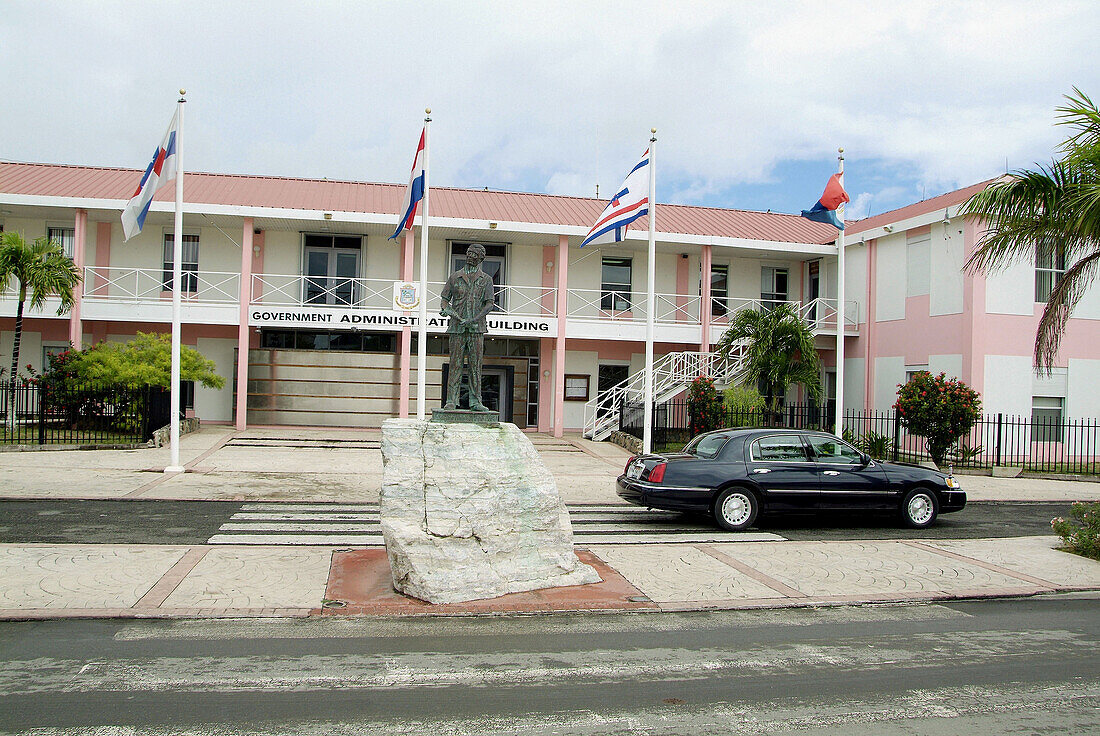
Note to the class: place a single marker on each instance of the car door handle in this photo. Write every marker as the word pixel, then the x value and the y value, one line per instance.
pixel 831 472
pixel 760 470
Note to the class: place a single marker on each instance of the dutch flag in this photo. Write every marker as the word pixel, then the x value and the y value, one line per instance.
pixel 630 202
pixel 414 193
pixel 161 170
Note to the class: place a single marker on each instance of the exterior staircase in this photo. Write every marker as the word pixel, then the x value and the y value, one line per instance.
pixel 672 374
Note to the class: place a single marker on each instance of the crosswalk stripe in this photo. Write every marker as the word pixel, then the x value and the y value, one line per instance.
pixel 358 525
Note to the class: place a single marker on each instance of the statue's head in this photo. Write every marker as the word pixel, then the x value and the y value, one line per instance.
pixel 475 254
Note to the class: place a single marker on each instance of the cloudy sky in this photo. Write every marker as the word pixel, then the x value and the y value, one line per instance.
pixel 750 99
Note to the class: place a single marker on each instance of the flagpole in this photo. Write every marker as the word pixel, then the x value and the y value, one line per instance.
pixel 177 276
pixel 838 426
pixel 647 430
pixel 422 322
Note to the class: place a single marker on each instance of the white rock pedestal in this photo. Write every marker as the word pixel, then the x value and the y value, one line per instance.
pixel 471 512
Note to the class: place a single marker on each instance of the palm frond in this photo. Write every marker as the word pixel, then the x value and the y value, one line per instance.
pixel 1065 296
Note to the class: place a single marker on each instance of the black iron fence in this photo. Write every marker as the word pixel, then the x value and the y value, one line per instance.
pixel 44 414
pixel 1036 444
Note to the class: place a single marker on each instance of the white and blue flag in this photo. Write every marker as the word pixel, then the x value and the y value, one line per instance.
pixel 630 202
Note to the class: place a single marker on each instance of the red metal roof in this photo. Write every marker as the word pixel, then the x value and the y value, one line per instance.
pixel 323 195
pixel 941 202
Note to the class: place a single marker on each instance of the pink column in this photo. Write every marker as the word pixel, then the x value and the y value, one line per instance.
pixel 102 257
pixel 406 331
pixel 705 307
pixel 870 349
pixel 244 300
pixel 76 328
pixel 546 383
pixel 559 342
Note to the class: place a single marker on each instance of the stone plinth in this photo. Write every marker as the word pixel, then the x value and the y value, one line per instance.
pixel 471 512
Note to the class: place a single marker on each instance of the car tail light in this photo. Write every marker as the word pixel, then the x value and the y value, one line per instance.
pixel 657 474
pixel 628 464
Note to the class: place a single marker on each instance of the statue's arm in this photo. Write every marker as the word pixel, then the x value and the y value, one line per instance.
pixel 445 300
pixel 488 303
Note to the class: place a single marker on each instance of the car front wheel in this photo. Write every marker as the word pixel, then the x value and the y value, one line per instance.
pixel 735 509
pixel 919 508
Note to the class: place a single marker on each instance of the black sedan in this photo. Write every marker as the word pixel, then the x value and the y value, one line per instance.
pixel 737 474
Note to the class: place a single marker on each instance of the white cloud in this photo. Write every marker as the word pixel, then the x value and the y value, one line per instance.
pixel 548 96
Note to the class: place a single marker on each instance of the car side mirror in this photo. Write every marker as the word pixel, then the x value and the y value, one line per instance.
pixel 864 458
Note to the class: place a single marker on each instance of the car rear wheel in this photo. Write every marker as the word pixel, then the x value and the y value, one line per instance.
pixel 735 509
pixel 919 508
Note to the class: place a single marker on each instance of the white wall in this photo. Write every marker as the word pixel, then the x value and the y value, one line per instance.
pixel 213 405
pixel 889 372
pixel 948 256
pixel 855 373
pixel 585 362
pixel 890 279
pixel 1083 398
pixel 1011 290
pixel 855 278
pixel 1008 385
pixel 952 365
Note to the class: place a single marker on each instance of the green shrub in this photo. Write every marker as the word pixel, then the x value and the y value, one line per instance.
pixel 878 446
pixel 1081 533
pixel 145 360
pixel 938 409
pixel 705 407
pixel 746 405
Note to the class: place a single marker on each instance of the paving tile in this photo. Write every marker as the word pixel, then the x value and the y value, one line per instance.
pixel 1032 556
pixel 84 577
pixel 682 573
pixel 868 569
pixel 236 577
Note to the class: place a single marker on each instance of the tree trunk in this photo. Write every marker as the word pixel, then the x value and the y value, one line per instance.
pixel 15 356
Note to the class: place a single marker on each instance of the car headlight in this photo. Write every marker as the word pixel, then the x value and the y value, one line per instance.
pixel 952 483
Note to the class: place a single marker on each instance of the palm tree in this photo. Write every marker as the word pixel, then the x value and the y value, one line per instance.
pixel 779 351
pixel 1053 213
pixel 42 270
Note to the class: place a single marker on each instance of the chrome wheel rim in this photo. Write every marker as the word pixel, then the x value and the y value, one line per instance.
pixel 736 509
pixel 920 509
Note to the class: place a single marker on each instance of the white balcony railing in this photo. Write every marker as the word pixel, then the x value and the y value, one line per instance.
pixel 630 306
pixel 148 285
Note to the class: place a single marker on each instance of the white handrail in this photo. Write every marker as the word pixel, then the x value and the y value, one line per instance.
pixel 148 284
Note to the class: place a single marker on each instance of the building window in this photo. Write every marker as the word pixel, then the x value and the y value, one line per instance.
pixel 576 387
pixel 773 285
pixel 189 262
pixel 63 236
pixel 719 290
pixel 918 265
pixel 609 376
pixel 912 370
pixel 1046 419
pixel 494 263
pixel 331 269
pixel 616 284
pixel 1050 265
pixel 364 342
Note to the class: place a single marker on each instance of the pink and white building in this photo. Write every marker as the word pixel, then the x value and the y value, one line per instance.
pixel 296 276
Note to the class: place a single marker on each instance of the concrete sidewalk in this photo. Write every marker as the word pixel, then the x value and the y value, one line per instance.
pixel 336 465
pixel 40 581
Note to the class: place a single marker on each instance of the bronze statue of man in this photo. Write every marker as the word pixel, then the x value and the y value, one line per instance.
pixel 466 299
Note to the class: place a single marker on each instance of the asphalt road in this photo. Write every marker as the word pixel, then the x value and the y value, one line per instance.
pixel 194 522
pixel 995 666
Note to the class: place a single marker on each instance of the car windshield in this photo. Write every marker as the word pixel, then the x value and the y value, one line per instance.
pixel 706 446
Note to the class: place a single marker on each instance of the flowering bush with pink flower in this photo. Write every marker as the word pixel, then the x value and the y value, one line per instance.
pixel 705 406
pixel 939 409
pixel 1081 532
